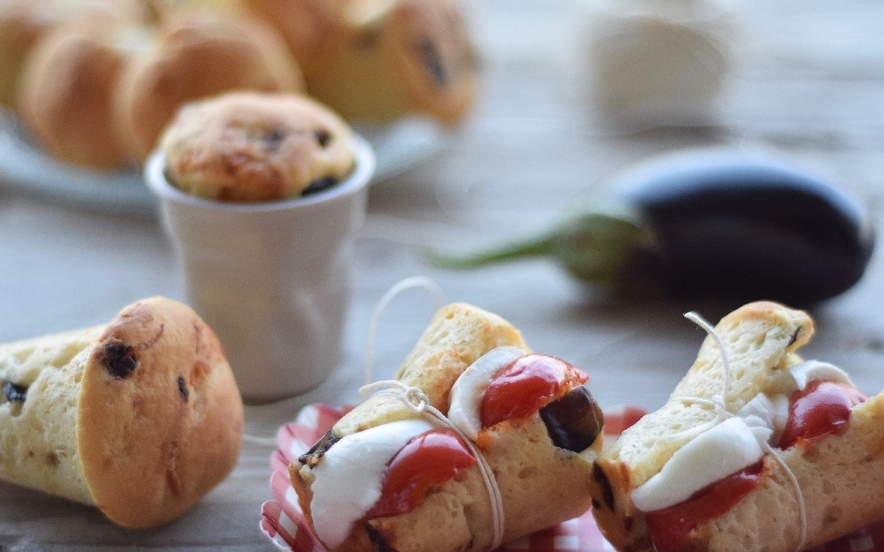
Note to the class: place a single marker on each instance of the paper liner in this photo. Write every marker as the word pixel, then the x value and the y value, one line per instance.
pixel 284 524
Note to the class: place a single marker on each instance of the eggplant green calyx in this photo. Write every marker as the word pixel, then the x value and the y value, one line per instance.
pixel 593 247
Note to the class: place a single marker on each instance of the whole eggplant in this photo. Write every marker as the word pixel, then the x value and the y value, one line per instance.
pixel 712 224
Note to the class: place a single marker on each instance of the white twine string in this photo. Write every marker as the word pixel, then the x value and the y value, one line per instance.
pixel 718 404
pixel 418 402
pixel 408 283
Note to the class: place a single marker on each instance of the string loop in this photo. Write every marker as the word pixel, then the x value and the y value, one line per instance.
pixel 408 283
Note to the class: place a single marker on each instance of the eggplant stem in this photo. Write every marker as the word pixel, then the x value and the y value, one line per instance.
pixel 541 247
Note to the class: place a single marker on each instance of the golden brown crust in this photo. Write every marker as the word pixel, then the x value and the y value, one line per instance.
pixel 434 58
pixel 199 54
pixel 159 414
pixel 839 474
pixel 140 417
pixel 312 29
pixel 246 146
pixel 19 32
pixel 66 89
pixel 397 58
pixel 23 23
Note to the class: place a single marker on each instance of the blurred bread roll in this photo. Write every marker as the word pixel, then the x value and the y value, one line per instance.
pixel 314 30
pixel 165 8
pixel 24 22
pixel 69 85
pixel 199 54
pixel 381 60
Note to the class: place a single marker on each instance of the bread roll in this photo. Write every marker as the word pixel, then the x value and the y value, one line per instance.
pixel 23 23
pixel 540 482
pixel 199 54
pixel 140 417
pixel 378 61
pixel 314 30
pixel 68 88
pixel 248 146
pixel 838 476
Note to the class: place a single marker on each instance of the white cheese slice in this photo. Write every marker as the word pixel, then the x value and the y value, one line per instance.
pixel 729 446
pixel 723 449
pixel 768 413
pixel 349 476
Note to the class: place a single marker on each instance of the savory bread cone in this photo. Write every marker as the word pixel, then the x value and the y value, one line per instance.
pixel 539 482
pixel 140 418
pixel 796 493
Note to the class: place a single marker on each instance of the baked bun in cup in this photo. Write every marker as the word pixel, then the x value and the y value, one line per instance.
pixel 262 196
pixel 484 484
pixel 248 147
pixel 140 418
pixel 756 449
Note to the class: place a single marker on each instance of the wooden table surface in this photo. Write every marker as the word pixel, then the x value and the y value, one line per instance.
pixel 810 86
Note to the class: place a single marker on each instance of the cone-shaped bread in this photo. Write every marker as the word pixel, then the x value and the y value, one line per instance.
pixel 140 417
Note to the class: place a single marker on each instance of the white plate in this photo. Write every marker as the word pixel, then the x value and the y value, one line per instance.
pixel 24 167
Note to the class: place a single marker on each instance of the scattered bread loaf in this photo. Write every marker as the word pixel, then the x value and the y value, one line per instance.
pixel 248 146
pixel 314 30
pixel 140 417
pixel 24 23
pixel 113 75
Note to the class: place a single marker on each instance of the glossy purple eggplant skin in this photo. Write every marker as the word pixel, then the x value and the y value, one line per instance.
pixel 741 227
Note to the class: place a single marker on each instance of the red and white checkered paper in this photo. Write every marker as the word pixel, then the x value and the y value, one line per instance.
pixel 283 522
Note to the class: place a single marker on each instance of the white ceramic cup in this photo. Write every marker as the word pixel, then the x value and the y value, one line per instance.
pixel 273 279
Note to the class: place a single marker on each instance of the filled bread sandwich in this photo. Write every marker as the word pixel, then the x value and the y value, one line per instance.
pixel 756 449
pixel 477 441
